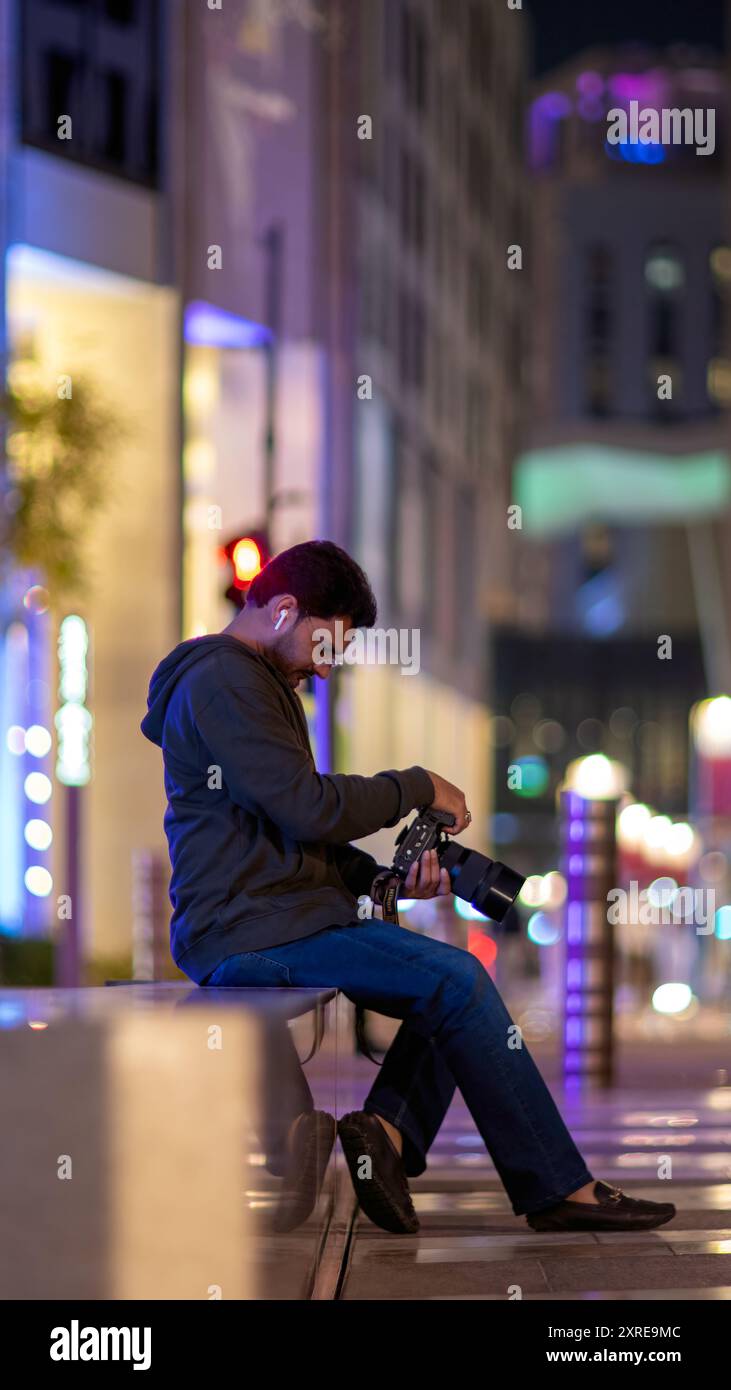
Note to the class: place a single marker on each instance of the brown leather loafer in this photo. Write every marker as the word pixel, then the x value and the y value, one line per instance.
pixel 384 1195
pixel 312 1144
pixel 615 1212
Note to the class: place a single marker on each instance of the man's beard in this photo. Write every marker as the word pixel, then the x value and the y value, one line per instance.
pixel 282 655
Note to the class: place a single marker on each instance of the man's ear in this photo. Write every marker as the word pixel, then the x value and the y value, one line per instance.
pixel 284 611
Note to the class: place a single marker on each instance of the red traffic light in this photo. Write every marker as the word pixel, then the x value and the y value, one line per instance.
pixel 246 560
pixel 247 555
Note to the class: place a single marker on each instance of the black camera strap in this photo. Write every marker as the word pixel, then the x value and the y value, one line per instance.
pixel 384 892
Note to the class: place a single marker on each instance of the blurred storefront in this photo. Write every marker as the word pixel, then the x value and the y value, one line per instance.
pixel 286 312
pixel 91 319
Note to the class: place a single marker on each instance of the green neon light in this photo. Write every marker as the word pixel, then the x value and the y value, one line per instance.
pixel 561 488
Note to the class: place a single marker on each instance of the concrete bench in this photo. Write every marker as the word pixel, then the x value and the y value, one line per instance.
pixel 277 1002
pixel 139 1123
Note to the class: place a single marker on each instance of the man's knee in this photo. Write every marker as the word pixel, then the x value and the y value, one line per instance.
pixel 465 979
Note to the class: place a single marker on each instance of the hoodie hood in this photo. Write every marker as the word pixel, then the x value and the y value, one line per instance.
pixel 167 674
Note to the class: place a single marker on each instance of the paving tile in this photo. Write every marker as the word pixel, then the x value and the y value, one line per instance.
pixel 722 1294
pixel 426 1253
pixel 670 1234
pixel 367 1245
pixel 652 1272
pixel 702 1247
pixel 407 1280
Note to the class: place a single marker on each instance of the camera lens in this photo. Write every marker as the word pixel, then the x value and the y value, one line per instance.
pixel 491 887
pixel 497 891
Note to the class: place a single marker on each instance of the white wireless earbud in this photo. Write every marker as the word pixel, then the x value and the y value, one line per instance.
pixel 279 621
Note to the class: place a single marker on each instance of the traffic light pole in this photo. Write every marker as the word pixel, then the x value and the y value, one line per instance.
pixel 274 247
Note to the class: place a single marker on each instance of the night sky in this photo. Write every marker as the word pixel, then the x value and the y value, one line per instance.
pixel 564 27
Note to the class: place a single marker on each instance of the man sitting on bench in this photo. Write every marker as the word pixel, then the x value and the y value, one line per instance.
pixel 265 885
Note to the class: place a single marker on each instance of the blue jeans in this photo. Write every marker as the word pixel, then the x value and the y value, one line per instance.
pixel 456 1031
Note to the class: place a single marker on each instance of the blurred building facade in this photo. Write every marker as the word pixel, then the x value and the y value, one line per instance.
pixel 367 181
pixel 625 483
pixel 303 319
pixel 88 296
pixel 439 200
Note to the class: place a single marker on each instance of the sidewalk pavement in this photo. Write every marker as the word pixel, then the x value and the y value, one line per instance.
pixel 667 1102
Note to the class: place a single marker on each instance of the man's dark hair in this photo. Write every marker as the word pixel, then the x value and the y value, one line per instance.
pixel 325 581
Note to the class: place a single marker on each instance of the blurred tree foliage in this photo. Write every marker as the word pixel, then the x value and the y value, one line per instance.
pixel 56 440
pixel 25 961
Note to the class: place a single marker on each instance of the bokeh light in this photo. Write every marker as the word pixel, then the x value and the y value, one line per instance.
pixel 681 839
pixel 15 739
pixel 37 787
pixel 654 840
pixel 38 834
pixel 596 777
pixel 534 892
pixel 713 866
pixel 542 930
pixel 482 946
pixel 467 912
pixel 534 777
pixel 38 740
pixel 711 726
pixel 632 823
pixel 662 891
pixel 36 599
pixel 556 888
pixel 38 881
pixel 672 998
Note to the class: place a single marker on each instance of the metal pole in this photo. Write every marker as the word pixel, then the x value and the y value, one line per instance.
pixel 68 942
pixel 710 605
pixel 589 863
pixel 273 245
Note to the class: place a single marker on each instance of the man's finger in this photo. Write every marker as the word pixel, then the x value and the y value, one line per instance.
pixel 410 880
pixel 431 872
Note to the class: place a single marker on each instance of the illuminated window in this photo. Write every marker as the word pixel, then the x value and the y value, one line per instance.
pixel 719 381
pixel 664 271
pixel 598 330
pixel 665 281
pixel 67 70
pixel 717 376
pixel 720 260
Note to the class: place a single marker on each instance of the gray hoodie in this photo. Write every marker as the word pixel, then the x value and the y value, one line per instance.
pixel 258 839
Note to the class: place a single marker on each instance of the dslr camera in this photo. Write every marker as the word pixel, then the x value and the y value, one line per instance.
pixel 490 887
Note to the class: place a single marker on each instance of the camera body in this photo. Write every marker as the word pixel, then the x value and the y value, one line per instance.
pixel 490 887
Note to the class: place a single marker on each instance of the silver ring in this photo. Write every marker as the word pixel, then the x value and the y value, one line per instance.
pixel 468 816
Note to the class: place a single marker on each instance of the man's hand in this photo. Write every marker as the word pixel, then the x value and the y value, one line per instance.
pixel 451 799
pixel 425 879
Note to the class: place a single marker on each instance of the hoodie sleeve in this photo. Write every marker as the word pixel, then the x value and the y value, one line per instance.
pixel 356 868
pixel 268 772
